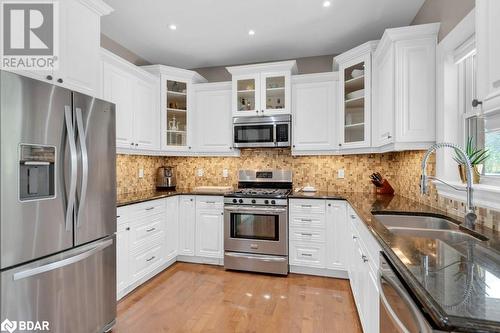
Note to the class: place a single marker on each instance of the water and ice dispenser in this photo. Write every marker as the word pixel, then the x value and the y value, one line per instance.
pixel 36 172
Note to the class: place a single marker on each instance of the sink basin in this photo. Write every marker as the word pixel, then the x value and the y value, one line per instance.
pixel 426 227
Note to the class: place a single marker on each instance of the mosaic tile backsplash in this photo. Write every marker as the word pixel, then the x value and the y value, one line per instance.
pixel 402 169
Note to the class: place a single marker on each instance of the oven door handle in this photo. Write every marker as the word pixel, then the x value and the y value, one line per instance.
pixel 419 319
pixel 255 209
pixel 259 257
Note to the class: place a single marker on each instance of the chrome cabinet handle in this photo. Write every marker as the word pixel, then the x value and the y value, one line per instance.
pixel 73 163
pixel 306 220
pixel 306 254
pixel 149 208
pixel 365 259
pixel 82 136
pixel 306 206
pixel 152 229
pixel 65 262
pixel 150 258
pixel 210 202
pixel 353 217
pixel 476 103
pixel 354 237
pixel 306 234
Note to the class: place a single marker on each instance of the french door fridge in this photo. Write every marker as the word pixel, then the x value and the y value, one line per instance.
pixel 57 206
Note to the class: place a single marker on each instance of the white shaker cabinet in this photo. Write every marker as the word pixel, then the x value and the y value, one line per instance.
pixel 262 89
pixel 404 82
pixel 488 54
pixel 122 256
pixel 209 226
pixel 336 234
pixel 135 93
pixel 213 119
pixel 314 109
pixel 187 218
pixel 172 228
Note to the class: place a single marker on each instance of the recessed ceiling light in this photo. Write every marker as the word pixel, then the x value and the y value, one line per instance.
pixel 172 27
pixel 326 3
pixel 251 32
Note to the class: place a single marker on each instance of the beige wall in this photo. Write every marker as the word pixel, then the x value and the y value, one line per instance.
pixel 448 12
pixel 121 51
pixel 308 65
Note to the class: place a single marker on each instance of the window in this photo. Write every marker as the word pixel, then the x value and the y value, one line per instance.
pixel 484 129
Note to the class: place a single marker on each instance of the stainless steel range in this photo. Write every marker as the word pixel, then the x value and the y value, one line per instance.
pixel 256 222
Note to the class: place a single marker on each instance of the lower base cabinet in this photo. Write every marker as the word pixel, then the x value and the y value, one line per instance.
pixel 187 216
pixel 209 227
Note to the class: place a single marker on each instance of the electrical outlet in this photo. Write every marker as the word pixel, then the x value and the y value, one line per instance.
pixel 200 172
pixel 141 173
pixel 341 174
pixel 225 173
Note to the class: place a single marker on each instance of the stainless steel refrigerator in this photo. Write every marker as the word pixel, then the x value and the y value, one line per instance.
pixel 58 206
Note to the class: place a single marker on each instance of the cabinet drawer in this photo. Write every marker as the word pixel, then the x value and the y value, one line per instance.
pixel 146 261
pixel 307 206
pixel 144 232
pixel 307 235
pixel 307 254
pixel 307 221
pixel 209 202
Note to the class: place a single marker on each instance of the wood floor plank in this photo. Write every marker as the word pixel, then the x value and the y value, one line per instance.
pixel 203 298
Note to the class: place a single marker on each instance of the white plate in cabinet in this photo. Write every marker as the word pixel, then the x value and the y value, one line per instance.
pixel 307 235
pixel 307 206
pixel 307 254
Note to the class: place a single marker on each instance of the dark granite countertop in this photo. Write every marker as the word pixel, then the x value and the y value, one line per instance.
pixel 142 196
pixel 460 290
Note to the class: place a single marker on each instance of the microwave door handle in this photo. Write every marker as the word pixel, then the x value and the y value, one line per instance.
pixel 274 134
pixel 423 327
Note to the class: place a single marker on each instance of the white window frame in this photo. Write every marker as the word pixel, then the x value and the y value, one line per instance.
pixel 450 124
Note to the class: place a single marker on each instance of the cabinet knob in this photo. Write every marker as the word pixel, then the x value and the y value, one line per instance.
pixel 60 80
pixel 127 228
pixel 389 137
pixel 49 77
pixel 329 205
pixel 476 103
pixel 293 146
pixel 136 144
pixel 189 147
pixel 340 145
pixel 256 111
pixel 131 143
pixel 222 213
pixel 230 147
pixel 365 259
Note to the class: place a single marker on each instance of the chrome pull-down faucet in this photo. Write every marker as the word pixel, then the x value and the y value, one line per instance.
pixel 470 217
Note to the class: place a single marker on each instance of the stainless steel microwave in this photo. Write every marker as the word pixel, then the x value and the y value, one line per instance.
pixel 262 131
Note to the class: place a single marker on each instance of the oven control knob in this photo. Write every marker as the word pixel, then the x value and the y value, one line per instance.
pixel 266 202
pixel 240 201
pixel 253 201
pixel 235 201
pixel 273 202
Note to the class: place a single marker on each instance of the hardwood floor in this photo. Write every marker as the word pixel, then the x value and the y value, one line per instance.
pixel 202 298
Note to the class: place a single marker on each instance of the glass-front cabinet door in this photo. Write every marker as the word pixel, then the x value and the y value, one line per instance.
pixel 275 93
pixel 247 93
pixel 355 103
pixel 175 114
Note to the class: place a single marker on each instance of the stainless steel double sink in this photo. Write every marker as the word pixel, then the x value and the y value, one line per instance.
pixel 427 227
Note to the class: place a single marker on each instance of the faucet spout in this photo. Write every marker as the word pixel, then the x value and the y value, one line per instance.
pixel 424 187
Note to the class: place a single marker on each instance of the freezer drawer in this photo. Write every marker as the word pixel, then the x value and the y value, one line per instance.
pixel 74 291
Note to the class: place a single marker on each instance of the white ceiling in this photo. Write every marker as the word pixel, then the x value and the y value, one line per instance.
pixel 215 32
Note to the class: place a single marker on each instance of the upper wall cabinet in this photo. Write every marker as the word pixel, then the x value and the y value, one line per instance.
pixel 314 109
pixel 135 93
pixel 403 115
pixel 354 123
pixel 212 118
pixel 488 54
pixel 262 89
pixel 80 38
pixel 176 107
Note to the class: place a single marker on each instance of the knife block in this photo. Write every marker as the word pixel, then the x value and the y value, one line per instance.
pixel 385 189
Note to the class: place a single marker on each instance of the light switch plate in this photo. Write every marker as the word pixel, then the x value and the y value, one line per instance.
pixel 141 173
pixel 200 172
pixel 341 174
pixel 225 173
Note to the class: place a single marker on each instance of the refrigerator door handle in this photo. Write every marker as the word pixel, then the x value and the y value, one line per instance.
pixel 73 171
pixel 65 262
pixel 85 163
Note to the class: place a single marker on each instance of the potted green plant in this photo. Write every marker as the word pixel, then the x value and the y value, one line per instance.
pixel 476 157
